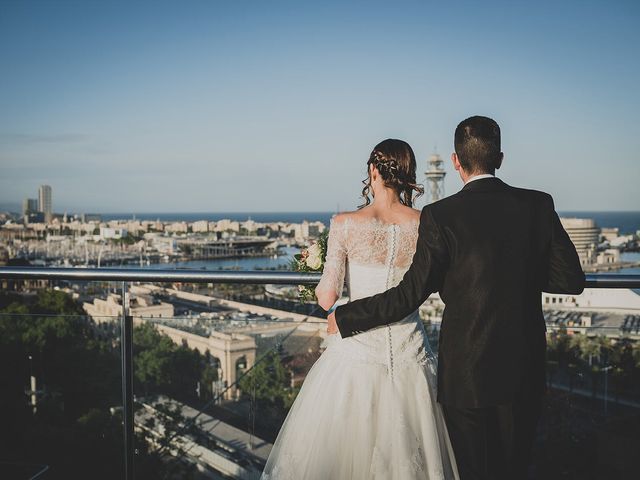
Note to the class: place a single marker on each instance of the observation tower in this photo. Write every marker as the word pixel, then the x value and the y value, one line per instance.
pixel 435 178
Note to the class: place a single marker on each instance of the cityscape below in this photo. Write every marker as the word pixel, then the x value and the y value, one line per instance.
pixel 606 241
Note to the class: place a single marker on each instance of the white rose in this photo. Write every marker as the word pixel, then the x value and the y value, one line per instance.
pixel 314 262
pixel 314 250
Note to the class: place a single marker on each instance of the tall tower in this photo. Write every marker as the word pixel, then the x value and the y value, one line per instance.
pixel 435 178
pixel 44 202
pixel 29 205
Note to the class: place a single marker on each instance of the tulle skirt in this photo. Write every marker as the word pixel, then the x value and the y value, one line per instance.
pixel 355 419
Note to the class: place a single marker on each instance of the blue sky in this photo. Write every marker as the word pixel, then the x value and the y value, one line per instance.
pixel 275 106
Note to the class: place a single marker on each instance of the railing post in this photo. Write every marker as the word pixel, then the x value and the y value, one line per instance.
pixel 126 347
pixel 606 375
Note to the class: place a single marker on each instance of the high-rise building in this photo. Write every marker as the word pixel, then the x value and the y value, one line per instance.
pixel 435 178
pixel 44 202
pixel 29 205
pixel 584 234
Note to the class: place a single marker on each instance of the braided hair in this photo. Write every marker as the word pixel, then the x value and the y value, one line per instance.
pixel 396 163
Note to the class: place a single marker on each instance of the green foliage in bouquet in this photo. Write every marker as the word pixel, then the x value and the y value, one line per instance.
pixel 311 260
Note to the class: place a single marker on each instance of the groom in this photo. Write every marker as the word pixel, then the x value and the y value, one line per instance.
pixel 490 250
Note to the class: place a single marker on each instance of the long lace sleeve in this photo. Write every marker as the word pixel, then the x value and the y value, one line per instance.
pixel 335 264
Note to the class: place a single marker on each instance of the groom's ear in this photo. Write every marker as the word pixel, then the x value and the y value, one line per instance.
pixel 499 161
pixel 456 161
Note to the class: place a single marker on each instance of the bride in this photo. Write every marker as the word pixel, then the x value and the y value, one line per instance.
pixel 367 409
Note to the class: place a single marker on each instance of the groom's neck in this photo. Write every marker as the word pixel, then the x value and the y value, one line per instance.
pixel 468 176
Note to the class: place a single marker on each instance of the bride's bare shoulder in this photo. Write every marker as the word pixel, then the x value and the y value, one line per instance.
pixel 368 214
pixel 413 213
pixel 407 215
pixel 343 217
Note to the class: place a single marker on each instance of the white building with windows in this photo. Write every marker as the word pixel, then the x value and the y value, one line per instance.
pixel 201 226
pixel 107 233
pixel 585 235
pixel 596 299
pixel 45 204
pixel 140 306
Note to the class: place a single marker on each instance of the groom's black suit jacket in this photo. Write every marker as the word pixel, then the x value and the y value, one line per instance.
pixel 490 250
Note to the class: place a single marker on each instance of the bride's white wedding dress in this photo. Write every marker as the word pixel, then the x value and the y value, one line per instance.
pixel 367 408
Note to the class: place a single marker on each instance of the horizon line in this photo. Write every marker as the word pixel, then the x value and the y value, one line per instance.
pixel 266 212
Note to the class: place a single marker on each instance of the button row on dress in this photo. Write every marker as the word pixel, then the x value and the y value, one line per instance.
pixel 392 255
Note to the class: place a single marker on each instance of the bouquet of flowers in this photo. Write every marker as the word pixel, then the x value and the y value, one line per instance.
pixel 311 259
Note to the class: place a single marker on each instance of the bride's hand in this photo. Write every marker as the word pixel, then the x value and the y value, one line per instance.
pixel 332 326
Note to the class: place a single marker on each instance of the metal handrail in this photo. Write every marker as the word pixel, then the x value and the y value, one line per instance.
pixel 613 280
pixel 596 280
pixel 159 275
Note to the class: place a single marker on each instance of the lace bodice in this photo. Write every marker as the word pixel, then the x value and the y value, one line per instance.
pixel 367 243
pixel 374 256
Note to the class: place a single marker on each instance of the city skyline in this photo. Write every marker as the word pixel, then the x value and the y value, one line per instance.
pixel 240 108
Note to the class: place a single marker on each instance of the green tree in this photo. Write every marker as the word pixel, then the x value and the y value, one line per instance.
pixel 73 429
pixel 161 366
pixel 75 372
pixel 208 376
pixel 268 381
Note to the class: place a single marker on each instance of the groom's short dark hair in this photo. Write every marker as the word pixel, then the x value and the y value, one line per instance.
pixel 477 144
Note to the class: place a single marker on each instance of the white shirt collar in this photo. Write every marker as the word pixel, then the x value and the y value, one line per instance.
pixel 479 177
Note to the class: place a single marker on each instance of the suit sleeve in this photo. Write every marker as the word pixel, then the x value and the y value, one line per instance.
pixel 564 273
pixel 424 277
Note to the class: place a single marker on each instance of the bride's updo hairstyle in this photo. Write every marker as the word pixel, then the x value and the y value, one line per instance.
pixel 396 163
